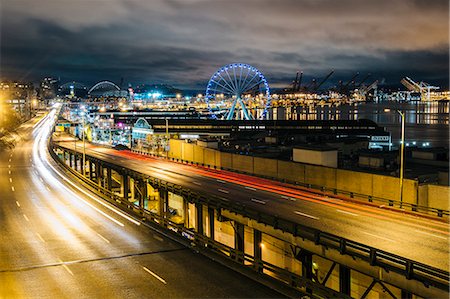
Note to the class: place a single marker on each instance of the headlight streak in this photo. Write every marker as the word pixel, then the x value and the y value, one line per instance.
pixel 40 155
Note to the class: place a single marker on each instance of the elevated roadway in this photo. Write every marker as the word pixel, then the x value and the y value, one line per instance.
pixel 417 238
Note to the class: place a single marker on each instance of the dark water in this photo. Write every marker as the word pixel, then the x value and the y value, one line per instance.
pixel 425 122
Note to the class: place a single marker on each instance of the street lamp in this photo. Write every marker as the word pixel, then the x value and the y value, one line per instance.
pixel 84 145
pixel 402 149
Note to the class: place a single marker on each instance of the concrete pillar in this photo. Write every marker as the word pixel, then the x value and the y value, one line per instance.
pixel 406 294
pixel 109 179
pixel 257 250
pixel 306 259
pixel 211 222
pixel 239 241
pixel 199 214
pixel 143 189
pixel 163 202
pixel 344 280
pixel 71 160
pixel 132 190
pixel 90 169
pixel 124 186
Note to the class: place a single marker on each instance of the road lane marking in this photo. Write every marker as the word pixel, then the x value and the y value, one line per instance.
pixel 250 188
pixel 345 212
pixel 65 267
pixel 9 160
pixel 9 171
pixel 10 180
pixel 26 218
pixel 197 183
pixel 9 165
pixel 379 237
pixel 158 238
pixel 429 234
pixel 13 189
pixel 41 179
pixel 258 201
pixel 104 239
pixel 155 275
pixel 223 191
pixel 47 188
pixel 285 197
pixel 220 181
pixel 223 198
pixel 306 215
pixel 40 237
pixel 17 203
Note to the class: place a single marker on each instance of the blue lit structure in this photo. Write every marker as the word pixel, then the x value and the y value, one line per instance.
pixel 241 84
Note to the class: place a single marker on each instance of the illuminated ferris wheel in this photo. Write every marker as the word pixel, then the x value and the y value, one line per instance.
pixel 238 91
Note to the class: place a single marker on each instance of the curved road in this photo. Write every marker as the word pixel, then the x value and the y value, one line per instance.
pixel 60 242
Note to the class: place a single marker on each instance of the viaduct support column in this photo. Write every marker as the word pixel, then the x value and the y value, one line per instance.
pixel 143 188
pixel 239 241
pixel 344 280
pixel 211 223
pixel 70 160
pixel 406 294
pixel 108 179
pixel 163 202
pixel 90 169
pixel 199 219
pixel 257 250
pixel 124 186
pixel 306 259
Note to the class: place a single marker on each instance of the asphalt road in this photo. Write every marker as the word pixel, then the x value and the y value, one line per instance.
pixel 420 239
pixel 58 242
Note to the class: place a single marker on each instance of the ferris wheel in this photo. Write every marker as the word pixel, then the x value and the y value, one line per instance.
pixel 238 91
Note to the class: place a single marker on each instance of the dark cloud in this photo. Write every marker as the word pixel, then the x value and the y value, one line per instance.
pixel 182 42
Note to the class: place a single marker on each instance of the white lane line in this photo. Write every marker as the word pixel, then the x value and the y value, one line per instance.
pixel 9 160
pixel 26 218
pixel 9 165
pixel 155 275
pixel 250 188
pixel 9 171
pixel 197 183
pixel 40 237
pixel 10 180
pixel 97 200
pixel 17 203
pixel 380 237
pixel 223 191
pixel 429 234
pixel 220 181
pixel 13 189
pixel 285 197
pixel 47 188
pixel 65 267
pixel 258 201
pixel 345 212
pixel 158 238
pixel 41 179
pixel 306 215
pixel 223 198
pixel 104 239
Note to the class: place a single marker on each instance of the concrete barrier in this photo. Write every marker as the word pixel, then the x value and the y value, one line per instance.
pixel 268 167
pixel 439 197
pixel 242 163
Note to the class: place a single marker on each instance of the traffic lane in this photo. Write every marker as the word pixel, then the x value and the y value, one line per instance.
pixel 42 209
pixel 169 167
pixel 379 233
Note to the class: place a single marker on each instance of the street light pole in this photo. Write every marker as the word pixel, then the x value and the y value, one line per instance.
pixel 84 150
pixel 402 155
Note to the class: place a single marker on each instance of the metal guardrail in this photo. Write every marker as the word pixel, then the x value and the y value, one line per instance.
pixel 412 270
pixel 323 189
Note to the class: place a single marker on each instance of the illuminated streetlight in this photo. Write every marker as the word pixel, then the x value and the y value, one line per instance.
pixel 402 148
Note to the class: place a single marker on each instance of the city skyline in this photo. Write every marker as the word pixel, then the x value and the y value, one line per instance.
pixel 183 42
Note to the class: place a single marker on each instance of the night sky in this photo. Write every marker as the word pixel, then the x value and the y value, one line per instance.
pixel 182 42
